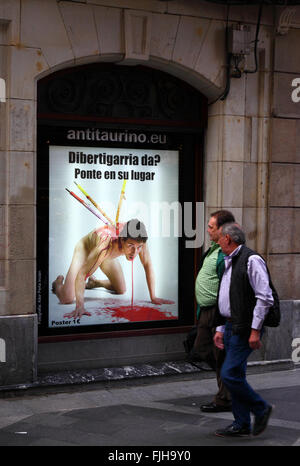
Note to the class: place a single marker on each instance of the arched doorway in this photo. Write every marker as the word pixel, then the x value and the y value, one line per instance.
pixel 102 127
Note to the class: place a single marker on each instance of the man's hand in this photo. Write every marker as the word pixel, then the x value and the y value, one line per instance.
pixel 254 339
pixel 160 301
pixel 79 311
pixel 218 340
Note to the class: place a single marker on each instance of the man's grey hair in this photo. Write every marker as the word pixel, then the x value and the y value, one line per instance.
pixel 234 231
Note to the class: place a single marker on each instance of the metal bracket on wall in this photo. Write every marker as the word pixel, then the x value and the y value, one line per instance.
pixel 285 21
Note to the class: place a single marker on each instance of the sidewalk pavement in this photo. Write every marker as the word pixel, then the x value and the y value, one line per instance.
pixel 161 413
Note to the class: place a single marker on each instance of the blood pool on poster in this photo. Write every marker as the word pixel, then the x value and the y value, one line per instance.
pixel 92 186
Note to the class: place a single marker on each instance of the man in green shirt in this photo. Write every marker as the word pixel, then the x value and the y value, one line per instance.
pixel 206 291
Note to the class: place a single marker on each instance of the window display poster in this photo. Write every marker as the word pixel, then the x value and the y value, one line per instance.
pixel 98 274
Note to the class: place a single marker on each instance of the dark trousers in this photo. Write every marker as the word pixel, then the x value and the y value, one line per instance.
pixel 244 399
pixel 206 351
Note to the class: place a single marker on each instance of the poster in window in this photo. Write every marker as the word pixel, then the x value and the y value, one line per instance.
pixel 99 271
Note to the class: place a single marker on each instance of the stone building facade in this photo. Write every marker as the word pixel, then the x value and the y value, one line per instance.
pixel 251 156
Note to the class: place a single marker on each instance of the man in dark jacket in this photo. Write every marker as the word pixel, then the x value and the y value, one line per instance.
pixel 245 296
pixel 206 291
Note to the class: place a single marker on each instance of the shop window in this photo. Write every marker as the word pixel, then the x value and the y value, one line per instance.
pixel 115 144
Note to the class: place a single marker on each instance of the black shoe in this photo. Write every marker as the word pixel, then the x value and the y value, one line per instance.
pixel 261 422
pixel 233 431
pixel 214 408
pixel 200 365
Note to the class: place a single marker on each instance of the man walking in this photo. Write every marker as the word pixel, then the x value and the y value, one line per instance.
pixel 206 290
pixel 245 296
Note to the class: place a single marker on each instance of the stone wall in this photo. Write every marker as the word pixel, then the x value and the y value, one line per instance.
pixel 237 148
pixel 187 40
pixel 284 195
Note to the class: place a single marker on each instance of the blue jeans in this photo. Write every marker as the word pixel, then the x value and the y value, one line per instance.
pixel 244 399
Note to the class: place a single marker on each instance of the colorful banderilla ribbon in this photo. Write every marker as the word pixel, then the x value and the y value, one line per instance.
pixel 94 203
pixel 122 196
pixel 85 205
